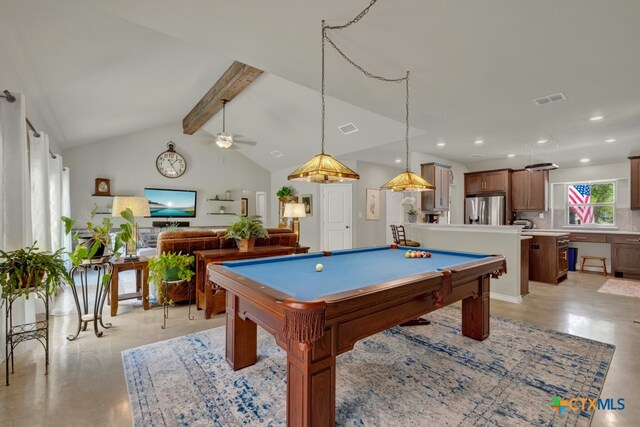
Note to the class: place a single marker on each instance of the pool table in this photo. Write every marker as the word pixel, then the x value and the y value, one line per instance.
pixel 315 316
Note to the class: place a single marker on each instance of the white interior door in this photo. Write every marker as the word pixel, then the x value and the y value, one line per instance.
pixel 395 213
pixel 336 217
pixel 261 206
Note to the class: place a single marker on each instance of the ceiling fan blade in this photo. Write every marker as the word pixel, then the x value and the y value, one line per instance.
pixel 235 141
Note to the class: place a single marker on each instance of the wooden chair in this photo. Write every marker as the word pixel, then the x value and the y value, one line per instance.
pixel 400 238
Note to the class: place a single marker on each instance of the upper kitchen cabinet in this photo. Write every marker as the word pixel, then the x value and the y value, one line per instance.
pixel 529 190
pixel 635 182
pixel 495 181
pixel 438 175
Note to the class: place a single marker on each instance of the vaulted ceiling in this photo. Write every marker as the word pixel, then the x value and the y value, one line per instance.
pixel 98 69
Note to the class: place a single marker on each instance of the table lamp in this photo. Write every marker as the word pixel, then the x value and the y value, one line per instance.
pixel 295 211
pixel 140 208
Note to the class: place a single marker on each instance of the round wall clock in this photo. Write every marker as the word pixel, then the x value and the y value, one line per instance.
pixel 170 163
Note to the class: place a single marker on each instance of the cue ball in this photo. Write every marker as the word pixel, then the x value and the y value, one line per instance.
pixel 319 267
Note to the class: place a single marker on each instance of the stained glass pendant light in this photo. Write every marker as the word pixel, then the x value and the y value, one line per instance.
pixel 407 180
pixel 323 168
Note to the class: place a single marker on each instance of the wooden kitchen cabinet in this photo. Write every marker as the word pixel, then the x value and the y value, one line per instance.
pixel 548 258
pixel 436 174
pixel 494 181
pixel 625 254
pixel 529 190
pixel 634 182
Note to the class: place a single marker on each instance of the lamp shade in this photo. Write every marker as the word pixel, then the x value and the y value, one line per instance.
pixel 323 169
pixel 139 205
pixel 294 210
pixel 407 181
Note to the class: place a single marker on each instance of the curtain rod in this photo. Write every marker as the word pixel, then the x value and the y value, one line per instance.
pixel 10 98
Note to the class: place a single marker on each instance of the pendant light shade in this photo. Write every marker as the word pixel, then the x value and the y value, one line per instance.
pixel 407 181
pixel 323 169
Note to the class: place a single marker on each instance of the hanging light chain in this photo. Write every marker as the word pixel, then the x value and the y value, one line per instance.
pixel 325 37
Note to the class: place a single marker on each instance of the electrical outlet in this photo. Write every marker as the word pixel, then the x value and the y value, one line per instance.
pixel 541 215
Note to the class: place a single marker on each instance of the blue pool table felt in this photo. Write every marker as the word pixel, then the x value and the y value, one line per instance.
pixel 343 270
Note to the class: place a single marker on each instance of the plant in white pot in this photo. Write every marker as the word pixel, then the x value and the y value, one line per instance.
pixel 410 203
pixel 245 231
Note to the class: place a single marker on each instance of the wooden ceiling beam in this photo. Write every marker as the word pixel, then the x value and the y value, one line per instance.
pixel 237 77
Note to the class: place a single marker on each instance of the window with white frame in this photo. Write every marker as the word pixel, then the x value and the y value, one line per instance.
pixel 591 203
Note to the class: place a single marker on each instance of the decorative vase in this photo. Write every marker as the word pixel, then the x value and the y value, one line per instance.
pixel 221 210
pixel 245 245
pixel 227 194
pixel 413 218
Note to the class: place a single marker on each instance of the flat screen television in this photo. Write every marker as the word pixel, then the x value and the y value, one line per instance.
pixel 165 203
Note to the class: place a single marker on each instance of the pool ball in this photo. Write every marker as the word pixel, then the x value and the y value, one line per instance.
pixel 319 267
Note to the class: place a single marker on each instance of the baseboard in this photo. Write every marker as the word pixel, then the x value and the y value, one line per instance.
pixel 507 298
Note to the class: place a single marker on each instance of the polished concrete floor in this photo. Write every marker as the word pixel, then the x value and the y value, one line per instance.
pixel 86 387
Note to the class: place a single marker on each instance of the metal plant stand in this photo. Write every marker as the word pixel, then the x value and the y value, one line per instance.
pixel 16 334
pixel 166 304
pixel 103 269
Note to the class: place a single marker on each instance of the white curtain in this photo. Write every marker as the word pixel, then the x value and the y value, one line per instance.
pixel 66 207
pixel 15 194
pixel 40 191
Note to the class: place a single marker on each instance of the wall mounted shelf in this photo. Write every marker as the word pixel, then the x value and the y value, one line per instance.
pixel 220 200
pixel 218 213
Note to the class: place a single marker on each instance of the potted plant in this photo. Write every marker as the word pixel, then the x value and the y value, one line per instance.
pixel 412 213
pixel 97 245
pixel 245 231
pixel 169 267
pixel 30 269
pixel 286 191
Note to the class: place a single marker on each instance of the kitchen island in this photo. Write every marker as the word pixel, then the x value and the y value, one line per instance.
pixel 504 240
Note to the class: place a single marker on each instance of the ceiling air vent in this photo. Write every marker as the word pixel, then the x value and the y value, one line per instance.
pixel 550 98
pixel 348 128
pixel 277 153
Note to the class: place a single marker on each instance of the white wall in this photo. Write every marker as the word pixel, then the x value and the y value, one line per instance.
pixel 370 232
pixel 457 190
pixel 129 161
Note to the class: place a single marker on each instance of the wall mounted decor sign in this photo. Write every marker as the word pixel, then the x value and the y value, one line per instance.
pixel 103 187
pixel 372 204
pixel 307 200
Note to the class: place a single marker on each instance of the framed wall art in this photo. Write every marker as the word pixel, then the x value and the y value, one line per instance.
pixel 244 206
pixel 372 204
pixel 307 201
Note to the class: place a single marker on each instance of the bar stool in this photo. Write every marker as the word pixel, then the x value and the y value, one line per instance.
pixel 602 264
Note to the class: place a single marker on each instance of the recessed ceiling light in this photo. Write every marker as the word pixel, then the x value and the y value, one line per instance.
pixel 610 140
pixel 585 160
pixel 596 118
pixel 542 141
pixel 398 160
pixel 511 155
pixel 478 141
pixel 441 144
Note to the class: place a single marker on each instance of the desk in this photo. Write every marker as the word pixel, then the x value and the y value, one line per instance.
pixel 315 316
pixel 141 266
pixel 212 299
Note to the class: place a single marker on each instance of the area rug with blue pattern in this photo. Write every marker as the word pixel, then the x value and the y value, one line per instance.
pixel 420 376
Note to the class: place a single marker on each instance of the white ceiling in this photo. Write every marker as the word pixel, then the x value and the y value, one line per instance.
pixel 476 67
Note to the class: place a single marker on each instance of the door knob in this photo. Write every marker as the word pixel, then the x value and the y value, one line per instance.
pixel 346 226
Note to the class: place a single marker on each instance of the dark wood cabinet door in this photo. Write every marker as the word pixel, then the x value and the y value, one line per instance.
pixel 497 181
pixel 519 190
pixel 635 182
pixel 626 258
pixel 537 194
pixel 473 183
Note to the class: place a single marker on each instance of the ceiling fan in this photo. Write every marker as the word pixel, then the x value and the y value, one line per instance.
pixel 227 140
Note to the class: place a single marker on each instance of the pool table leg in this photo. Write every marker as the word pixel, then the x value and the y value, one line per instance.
pixel 242 337
pixel 311 383
pixel 475 312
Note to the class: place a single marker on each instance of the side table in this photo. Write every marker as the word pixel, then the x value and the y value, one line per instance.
pixel 141 266
pixel 103 269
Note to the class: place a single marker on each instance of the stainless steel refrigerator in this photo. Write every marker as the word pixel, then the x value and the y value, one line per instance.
pixel 488 210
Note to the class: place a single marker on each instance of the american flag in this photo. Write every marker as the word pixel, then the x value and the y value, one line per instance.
pixel 579 199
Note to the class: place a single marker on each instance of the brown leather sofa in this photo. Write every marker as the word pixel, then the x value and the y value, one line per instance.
pixel 188 241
